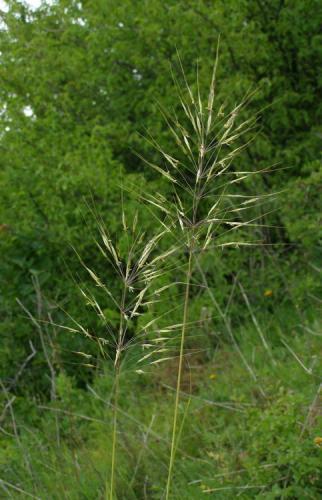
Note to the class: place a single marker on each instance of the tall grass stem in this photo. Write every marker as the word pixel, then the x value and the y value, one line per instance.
pixel 179 375
pixel 110 488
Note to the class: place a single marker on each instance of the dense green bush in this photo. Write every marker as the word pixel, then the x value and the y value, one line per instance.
pixel 235 441
pixel 80 83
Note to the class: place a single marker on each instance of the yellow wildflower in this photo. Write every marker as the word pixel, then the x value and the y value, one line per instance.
pixel 318 442
pixel 212 376
pixel 268 293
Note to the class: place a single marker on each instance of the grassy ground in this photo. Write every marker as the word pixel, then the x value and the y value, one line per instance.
pixel 244 434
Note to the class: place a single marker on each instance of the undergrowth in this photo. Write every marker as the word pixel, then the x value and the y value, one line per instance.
pixel 237 441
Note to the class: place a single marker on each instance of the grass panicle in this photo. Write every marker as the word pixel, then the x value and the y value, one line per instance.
pixel 205 210
pixel 135 269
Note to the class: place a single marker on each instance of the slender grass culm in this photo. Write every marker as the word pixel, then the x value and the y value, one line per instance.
pixel 206 209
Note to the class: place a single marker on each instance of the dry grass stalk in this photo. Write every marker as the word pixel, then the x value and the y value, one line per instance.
pixel 205 207
pixel 135 270
pixel 204 214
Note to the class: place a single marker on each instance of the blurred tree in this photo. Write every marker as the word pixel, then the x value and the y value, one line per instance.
pixel 80 85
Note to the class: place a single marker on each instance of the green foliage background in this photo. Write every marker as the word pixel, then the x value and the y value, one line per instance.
pixel 81 85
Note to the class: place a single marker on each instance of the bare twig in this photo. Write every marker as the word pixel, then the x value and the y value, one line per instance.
pixel 14 382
